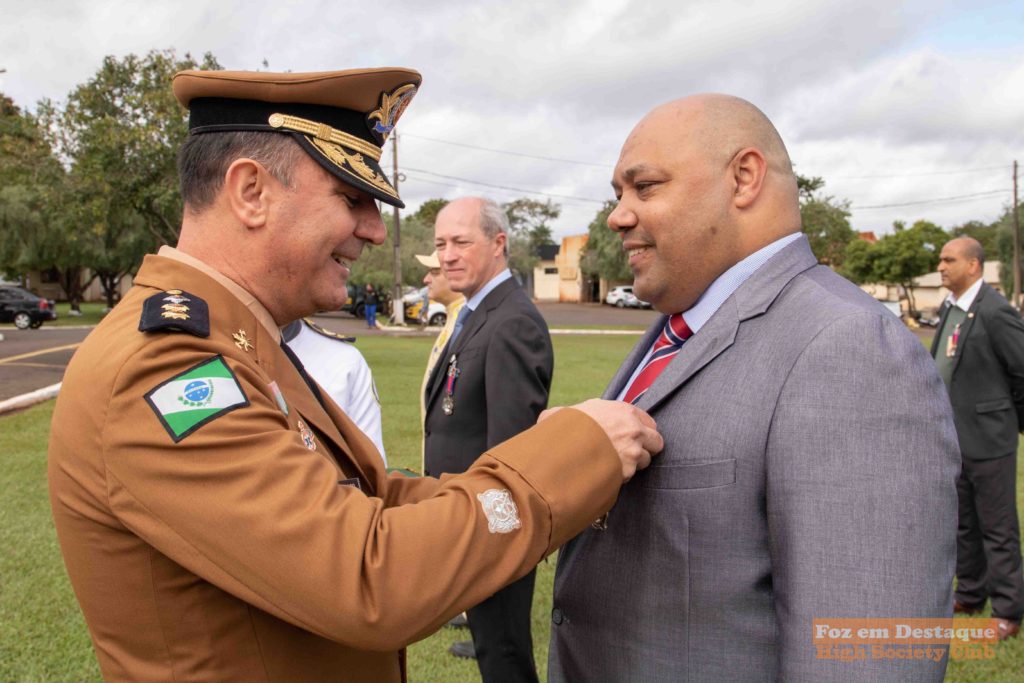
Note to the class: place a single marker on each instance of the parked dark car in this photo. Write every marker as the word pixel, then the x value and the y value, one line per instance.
pixel 24 309
pixel 355 304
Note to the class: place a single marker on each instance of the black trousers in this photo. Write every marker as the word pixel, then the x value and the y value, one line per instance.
pixel 988 561
pixel 501 633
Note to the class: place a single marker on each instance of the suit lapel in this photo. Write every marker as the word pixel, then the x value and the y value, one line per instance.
pixel 477 319
pixel 625 371
pixel 968 325
pixel 715 337
pixel 751 299
pixel 301 399
pixel 943 314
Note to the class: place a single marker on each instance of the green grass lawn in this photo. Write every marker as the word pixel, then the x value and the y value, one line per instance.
pixel 42 634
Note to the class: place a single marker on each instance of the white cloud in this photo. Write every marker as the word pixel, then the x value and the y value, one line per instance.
pixel 856 89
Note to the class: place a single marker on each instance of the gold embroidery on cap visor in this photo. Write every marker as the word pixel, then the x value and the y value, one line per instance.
pixel 324 132
pixel 332 142
pixel 354 165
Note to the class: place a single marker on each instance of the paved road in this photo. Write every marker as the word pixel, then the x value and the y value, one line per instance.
pixel 556 315
pixel 32 359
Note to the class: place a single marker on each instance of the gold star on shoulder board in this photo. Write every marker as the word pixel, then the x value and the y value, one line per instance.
pixel 242 340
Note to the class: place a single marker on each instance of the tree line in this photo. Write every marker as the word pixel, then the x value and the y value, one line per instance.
pixel 88 186
pixel 895 259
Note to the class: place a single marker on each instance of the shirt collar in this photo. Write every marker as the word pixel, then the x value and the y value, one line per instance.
pixel 474 301
pixel 247 299
pixel 729 281
pixel 968 297
pixel 457 303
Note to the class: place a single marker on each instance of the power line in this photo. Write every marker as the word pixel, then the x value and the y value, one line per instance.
pixel 509 152
pixel 941 200
pixel 917 175
pixel 597 165
pixel 417 179
pixel 506 187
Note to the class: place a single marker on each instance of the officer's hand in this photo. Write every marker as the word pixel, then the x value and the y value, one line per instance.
pixel 633 432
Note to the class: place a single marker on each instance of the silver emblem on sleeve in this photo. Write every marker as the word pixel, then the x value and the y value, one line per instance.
pixel 501 511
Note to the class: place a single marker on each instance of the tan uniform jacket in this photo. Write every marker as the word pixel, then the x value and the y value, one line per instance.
pixel 235 554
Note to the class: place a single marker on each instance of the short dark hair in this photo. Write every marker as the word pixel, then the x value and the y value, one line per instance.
pixel 204 159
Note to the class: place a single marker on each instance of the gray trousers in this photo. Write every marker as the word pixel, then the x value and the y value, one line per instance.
pixel 988 560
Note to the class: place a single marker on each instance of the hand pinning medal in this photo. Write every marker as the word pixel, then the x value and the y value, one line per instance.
pixel 448 403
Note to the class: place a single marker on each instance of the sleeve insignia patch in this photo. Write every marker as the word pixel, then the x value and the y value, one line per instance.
pixel 501 511
pixel 175 311
pixel 186 402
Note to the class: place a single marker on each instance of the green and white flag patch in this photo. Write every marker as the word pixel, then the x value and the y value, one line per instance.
pixel 186 402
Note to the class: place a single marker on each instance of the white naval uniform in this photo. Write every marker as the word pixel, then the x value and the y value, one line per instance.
pixel 341 370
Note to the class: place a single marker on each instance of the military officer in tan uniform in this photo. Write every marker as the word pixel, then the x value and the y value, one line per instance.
pixel 220 518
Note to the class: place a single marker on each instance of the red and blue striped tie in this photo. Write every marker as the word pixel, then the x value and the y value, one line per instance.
pixel 666 347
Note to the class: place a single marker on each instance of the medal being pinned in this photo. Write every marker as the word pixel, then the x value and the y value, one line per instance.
pixel 448 402
pixel 307 436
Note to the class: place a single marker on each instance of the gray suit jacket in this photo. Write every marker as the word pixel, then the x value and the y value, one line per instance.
pixel 809 472
pixel 987 390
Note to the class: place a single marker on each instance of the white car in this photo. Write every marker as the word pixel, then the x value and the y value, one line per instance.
pixel 621 296
pixel 437 314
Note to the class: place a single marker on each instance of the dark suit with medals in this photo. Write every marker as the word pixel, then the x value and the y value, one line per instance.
pixel 986 388
pixel 491 383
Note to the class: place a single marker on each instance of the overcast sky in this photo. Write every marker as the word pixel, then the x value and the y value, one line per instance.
pixel 919 104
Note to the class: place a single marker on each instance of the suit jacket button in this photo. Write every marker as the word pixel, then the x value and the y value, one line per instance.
pixel 557 617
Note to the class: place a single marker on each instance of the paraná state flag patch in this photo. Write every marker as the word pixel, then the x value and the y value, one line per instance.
pixel 186 402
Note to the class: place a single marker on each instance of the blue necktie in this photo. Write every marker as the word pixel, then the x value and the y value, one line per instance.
pixel 460 320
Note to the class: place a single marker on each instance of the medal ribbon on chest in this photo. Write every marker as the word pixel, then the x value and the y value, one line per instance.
pixel 448 403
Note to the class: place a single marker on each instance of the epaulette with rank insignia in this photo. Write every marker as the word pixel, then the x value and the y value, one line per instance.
pixel 175 311
pixel 327 333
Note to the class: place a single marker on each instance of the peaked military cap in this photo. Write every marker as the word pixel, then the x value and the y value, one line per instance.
pixel 341 118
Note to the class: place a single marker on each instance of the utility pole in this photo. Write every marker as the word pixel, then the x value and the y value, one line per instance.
pixel 397 307
pixel 1016 242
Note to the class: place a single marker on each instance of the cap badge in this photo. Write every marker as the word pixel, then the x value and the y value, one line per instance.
pixel 392 104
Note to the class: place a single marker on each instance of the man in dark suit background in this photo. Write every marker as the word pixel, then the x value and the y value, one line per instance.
pixel 979 350
pixel 490 383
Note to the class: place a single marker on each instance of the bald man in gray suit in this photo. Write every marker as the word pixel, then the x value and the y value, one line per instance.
pixel 810 459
